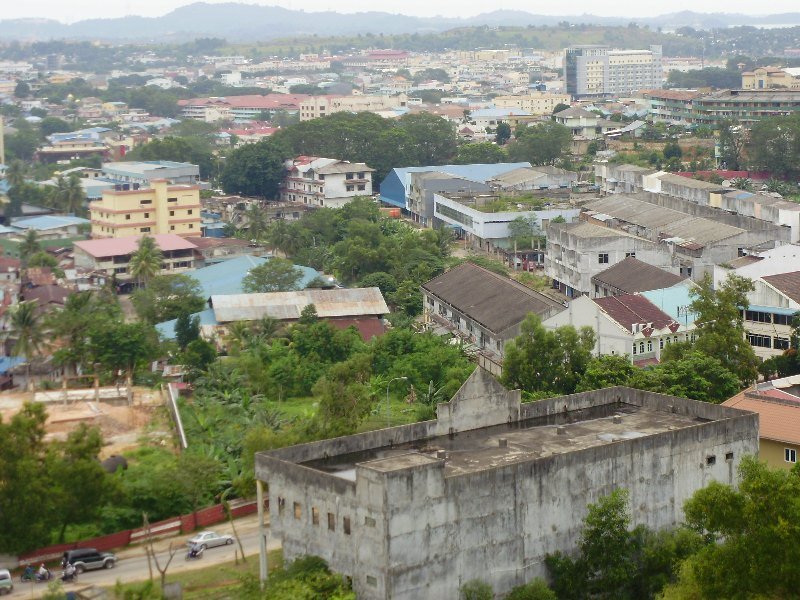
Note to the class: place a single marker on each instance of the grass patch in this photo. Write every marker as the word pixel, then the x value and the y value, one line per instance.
pixel 400 413
pixel 215 583
pixel 295 408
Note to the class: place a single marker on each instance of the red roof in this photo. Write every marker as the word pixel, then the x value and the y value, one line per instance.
pixel 368 327
pixel 777 421
pixel 129 244
pixel 251 101
pixel 8 264
pixel 630 309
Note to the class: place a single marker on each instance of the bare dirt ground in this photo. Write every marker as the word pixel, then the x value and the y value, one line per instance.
pixel 122 425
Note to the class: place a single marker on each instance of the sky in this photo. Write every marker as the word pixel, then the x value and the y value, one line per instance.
pixel 75 10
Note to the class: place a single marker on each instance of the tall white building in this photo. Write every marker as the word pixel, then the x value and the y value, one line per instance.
pixel 600 71
pixel 325 181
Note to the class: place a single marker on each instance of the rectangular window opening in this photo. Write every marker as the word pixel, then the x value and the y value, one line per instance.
pixel 314 515
pixel 331 522
pixel 790 455
pixel 346 525
pixel 298 511
pixel 729 456
pixel 711 460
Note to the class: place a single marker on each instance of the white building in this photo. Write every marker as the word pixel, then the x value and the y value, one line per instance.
pixel 325 181
pixel 600 71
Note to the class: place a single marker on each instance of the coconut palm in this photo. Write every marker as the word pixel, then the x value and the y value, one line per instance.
pixel 146 261
pixel 26 328
pixel 75 195
pixel 16 172
pixel 29 245
pixel 256 222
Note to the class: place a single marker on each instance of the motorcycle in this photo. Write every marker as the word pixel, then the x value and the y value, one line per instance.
pixel 69 577
pixel 35 576
pixel 195 554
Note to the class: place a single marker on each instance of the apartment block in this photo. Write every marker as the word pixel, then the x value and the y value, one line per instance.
pixel 159 209
pixel 315 107
pixel 599 71
pixel 534 103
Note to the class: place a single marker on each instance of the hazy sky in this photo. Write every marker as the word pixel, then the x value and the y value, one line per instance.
pixel 74 10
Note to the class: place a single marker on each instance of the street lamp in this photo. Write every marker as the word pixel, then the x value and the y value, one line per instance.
pixel 388 411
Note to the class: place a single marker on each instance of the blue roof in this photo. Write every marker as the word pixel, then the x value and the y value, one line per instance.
pixel 167 329
pixel 9 362
pixel 226 277
pixel 48 222
pixel 671 299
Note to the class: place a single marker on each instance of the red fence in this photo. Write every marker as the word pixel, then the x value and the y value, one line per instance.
pixel 175 525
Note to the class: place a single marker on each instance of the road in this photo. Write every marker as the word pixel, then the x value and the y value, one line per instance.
pixel 132 562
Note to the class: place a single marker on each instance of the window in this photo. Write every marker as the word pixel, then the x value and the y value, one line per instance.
pixel 790 455
pixel 188 212
pixel 143 202
pixel 661 344
pixel 350 176
pixel 634 348
pixel 602 258
pixel 314 515
pixel 780 343
pixel 649 345
pixel 172 213
pixel 191 225
pixel 630 255
pixel 759 341
pixel 729 456
pixel 172 227
pixel 782 319
pixel 369 521
pixel 372 581
pixel 298 510
pixel 331 522
pixel 350 188
pixel 711 460
pixel 145 230
pixel 127 217
pixel 675 339
pixel 346 525
pixel 362 175
pixel 757 316
pixel 146 215
pixel 641 347
pixel 361 187
pixel 596 289
pixel 281 505
pixel 172 199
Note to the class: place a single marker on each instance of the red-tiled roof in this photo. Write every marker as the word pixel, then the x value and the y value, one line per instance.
pixel 368 327
pixel 129 244
pixel 777 421
pixel 251 101
pixel 629 309
pixel 8 264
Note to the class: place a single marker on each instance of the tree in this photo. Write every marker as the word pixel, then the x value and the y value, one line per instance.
pixel 26 328
pixel 255 169
pixel 22 90
pixel 16 173
pixel 194 146
pixel 407 298
pixel 187 329
pixel 731 141
pixel 559 107
pixel 522 230
pixel 479 153
pixel 68 194
pixel 123 347
pixel 502 134
pixel 433 138
pixel 384 281
pixel 476 589
pixel 721 332
pixel 145 262
pixel 257 223
pixel 51 125
pixel 43 259
pixel 753 533
pixel 775 146
pixel 166 297
pixel 541 360
pixel 672 151
pixel 29 245
pixel 541 144
pixel 275 275
pixel 535 590
pixel 606 370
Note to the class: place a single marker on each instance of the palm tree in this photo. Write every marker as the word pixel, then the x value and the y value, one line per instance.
pixel 75 196
pixel 26 328
pixel 16 172
pixel 29 245
pixel 256 222
pixel 146 261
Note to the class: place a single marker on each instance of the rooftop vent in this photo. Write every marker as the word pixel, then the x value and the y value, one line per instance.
pixel 503 442
pixel 617 419
pixel 441 454
pixel 561 430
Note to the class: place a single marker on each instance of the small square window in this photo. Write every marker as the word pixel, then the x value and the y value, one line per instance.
pixel 191 225
pixel 369 521
pixel 188 212
pixel 172 213
pixel 790 455
pixel 298 510
pixel 127 217
pixel 331 522
pixel 346 525
pixel 314 515
pixel 146 215
pixel 602 258
pixel 711 460
pixel 729 456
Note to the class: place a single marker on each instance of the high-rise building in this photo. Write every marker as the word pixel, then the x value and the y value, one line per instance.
pixel 599 71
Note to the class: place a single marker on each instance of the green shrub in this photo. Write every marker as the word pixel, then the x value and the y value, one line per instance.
pixel 475 589
pixel 534 590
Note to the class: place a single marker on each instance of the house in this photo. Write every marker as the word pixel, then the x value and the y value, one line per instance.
pixel 51 227
pixel 632 325
pixel 315 107
pixel 160 209
pixel 773 305
pixel 482 308
pixel 583 124
pixel 777 404
pixel 111 256
pixel 535 103
pixel 492 485
pixel 239 108
pixel 325 181
pixel 9 269
pixel 631 276
pixel 541 177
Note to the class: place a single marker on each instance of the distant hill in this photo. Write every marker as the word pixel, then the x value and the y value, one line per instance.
pixel 247 22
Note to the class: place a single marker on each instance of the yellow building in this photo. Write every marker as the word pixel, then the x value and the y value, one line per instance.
pixel 771 77
pixel 160 209
pixel 778 420
pixel 535 103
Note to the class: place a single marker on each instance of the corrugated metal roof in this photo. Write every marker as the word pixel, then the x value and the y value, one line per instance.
pixel 287 306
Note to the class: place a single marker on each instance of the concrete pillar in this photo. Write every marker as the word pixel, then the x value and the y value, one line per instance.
pixel 262 534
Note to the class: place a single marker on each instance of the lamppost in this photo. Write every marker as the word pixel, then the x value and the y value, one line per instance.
pixel 388 411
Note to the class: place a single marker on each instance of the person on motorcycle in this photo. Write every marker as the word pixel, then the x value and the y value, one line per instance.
pixel 27 575
pixel 194 551
pixel 69 572
pixel 42 573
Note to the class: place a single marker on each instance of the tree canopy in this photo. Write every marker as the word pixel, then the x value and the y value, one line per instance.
pixel 275 275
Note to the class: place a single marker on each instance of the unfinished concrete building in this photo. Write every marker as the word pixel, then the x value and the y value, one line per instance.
pixel 491 486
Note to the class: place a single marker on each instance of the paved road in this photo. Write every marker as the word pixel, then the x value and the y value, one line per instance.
pixel 132 562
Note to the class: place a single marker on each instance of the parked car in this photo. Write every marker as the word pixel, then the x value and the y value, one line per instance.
pixel 88 559
pixel 6 584
pixel 209 539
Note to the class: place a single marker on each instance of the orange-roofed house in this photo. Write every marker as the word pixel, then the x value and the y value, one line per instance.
pixel 777 403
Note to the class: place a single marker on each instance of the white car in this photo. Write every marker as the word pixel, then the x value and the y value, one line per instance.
pixel 209 539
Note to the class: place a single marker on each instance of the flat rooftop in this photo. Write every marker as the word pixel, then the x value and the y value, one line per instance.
pixel 541 437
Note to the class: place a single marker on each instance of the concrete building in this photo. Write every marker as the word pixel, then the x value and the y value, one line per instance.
pixel 744 106
pixel 534 103
pixel 314 107
pixel 492 485
pixel 599 71
pixel 583 124
pixel 777 403
pixel 111 257
pixel 239 108
pixel 325 181
pixel 161 209
pixel 133 175
pixel 51 227
pixel 482 308
pixel 671 106
pixel 542 177
pixel 773 305
pixel 762 78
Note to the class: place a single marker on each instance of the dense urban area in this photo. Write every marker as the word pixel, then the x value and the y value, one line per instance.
pixel 472 312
